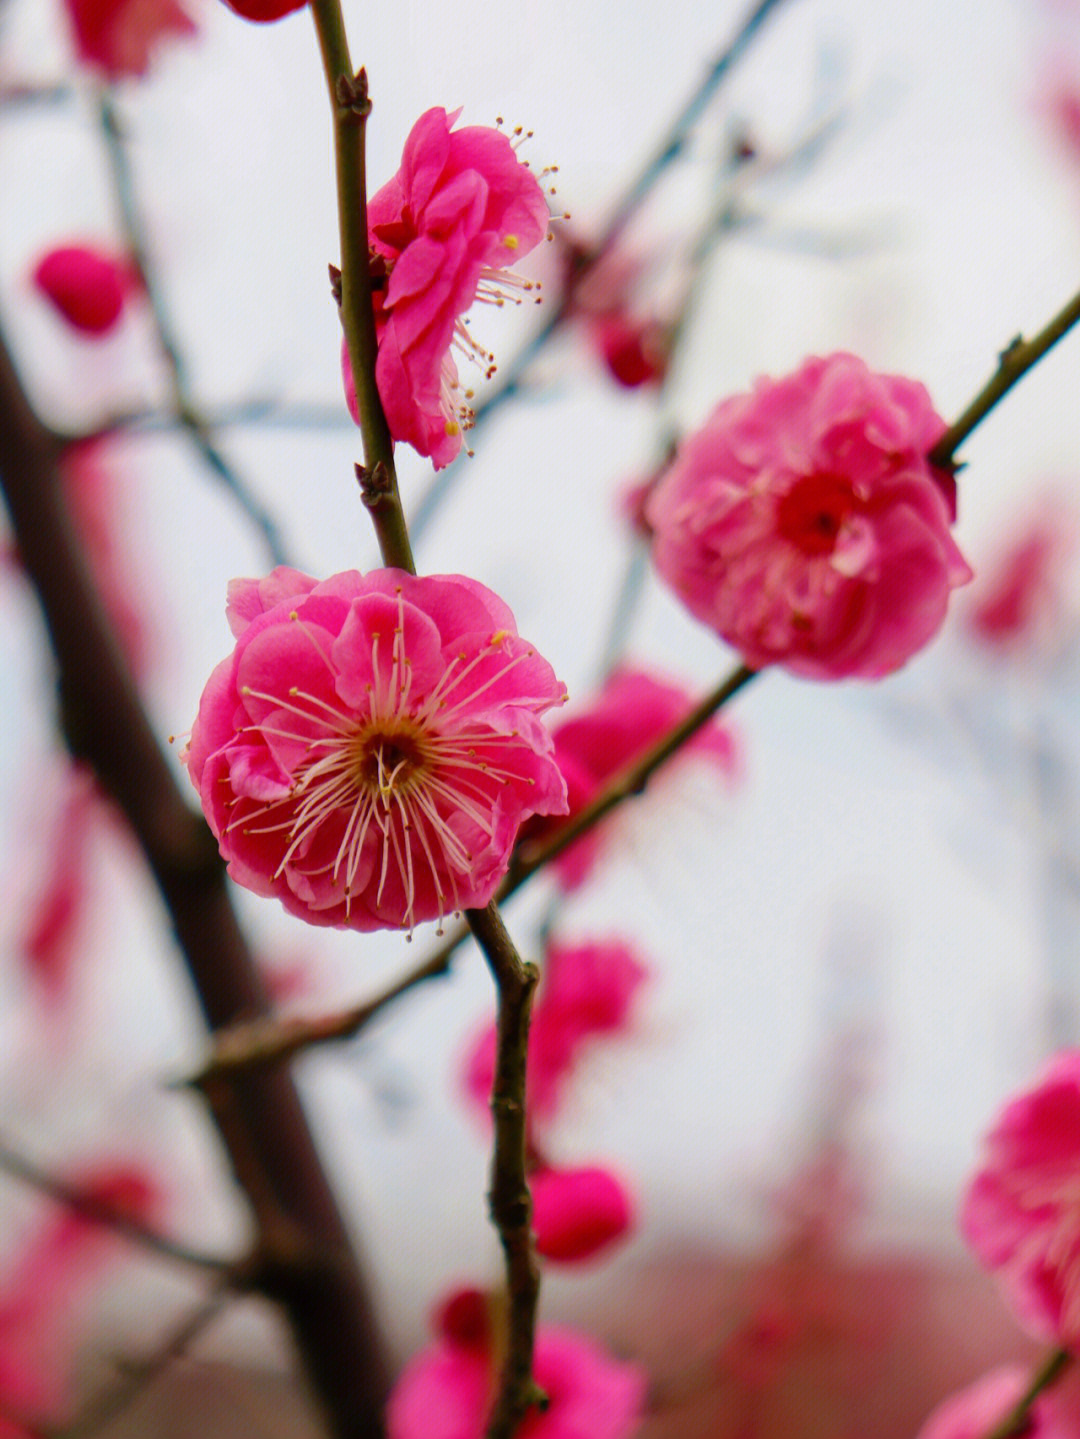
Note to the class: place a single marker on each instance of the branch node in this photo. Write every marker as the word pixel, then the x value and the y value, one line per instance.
pixel 335 284
pixel 376 485
pixel 352 95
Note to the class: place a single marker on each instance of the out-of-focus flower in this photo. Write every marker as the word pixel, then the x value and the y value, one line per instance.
pixel 368 751
pixel 805 525
pixel 265 10
pixel 49 937
pixel 41 1292
pixel 90 479
pixel 974 1412
pixel 578 1213
pixel 1020 1211
pixel 119 37
pixel 446 1391
pixel 633 710
pixel 442 231
pixel 88 286
pixel 586 990
pixel 1020 594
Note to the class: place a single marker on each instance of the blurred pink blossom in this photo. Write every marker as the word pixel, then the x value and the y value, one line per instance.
pixel 41 1292
pixel 370 747
pixel 586 991
pixel 442 231
pixel 634 709
pixel 1019 1214
pixel 91 481
pixel 446 1391
pixel 54 911
pixel 974 1412
pixel 119 37
pixel 1020 594
pixel 87 285
pixel 804 524
pixel 578 1214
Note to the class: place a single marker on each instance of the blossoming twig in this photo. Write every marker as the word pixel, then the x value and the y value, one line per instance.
pixel 186 412
pixel 351 107
pixel 1013 363
pixel 99 1211
pixel 1017 1420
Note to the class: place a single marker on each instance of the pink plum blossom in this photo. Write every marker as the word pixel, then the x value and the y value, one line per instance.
pixel 634 709
pixel 1021 1212
pixel 446 1391
pixel 119 37
pixel 805 525
pixel 370 747
pixel 441 232
pixel 578 1213
pixel 974 1412
pixel 87 285
pixel 586 990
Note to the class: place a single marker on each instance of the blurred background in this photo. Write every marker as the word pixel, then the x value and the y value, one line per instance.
pixel 858 943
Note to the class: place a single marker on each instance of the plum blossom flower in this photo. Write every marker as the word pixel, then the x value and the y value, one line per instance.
pixel 40 1293
pixel 446 1391
pixel 369 749
pixel 119 37
pixel 88 286
pixel 975 1411
pixel 1021 1212
pixel 805 525
pixel 633 710
pixel 441 233
pixel 578 1213
pixel 586 990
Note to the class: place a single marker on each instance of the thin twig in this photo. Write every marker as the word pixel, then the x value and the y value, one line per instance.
pixel 508 1198
pixel 187 414
pixel 1013 363
pixel 351 105
pixel 137 1376
pixel 99 1211
pixel 1018 1419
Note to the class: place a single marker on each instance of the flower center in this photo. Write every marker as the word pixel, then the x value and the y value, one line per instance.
pixel 389 765
pixel 812 513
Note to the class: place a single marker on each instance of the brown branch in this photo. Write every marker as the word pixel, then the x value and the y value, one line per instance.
pixel 508 1198
pixel 259 1116
pixel 1018 1420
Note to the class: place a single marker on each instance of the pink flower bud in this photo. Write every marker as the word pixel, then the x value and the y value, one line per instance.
pixel 86 285
pixel 265 10
pixel 577 1213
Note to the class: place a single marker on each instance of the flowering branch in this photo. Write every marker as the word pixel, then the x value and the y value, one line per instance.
pixel 186 412
pixel 318 1281
pixel 1013 363
pixel 1018 1419
pixel 100 1211
pixel 351 107
pixel 508 1198
pixel 255 1043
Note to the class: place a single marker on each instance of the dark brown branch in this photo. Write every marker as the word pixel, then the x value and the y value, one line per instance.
pixel 508 1198
pixel 259 1116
